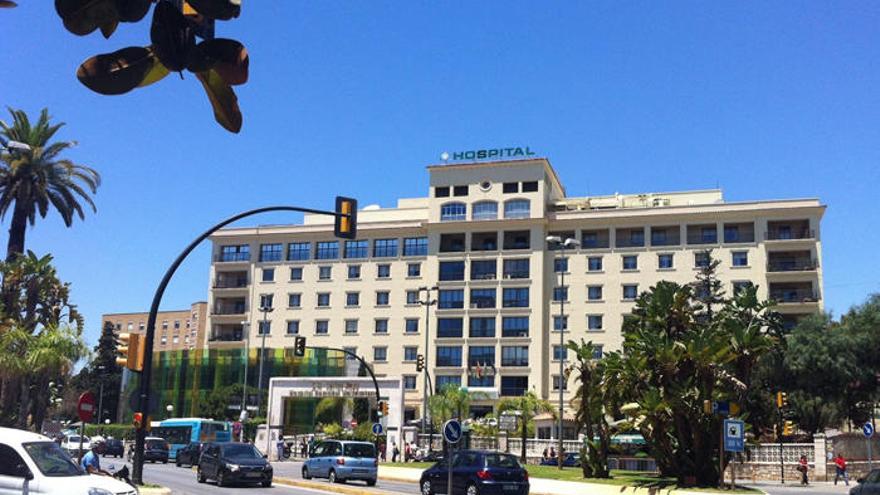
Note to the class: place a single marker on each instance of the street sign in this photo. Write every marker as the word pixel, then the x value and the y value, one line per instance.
pixel 452 431
pixel 734 435
pixel 377 428
pixel 868 430
pixel 507 422
pixel 725 408
pixel 85 407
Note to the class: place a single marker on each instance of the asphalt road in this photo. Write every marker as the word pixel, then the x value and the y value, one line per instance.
pixel 293 469
pixel 816 488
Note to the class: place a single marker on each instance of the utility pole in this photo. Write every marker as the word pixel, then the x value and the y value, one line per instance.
pixel 427 303
pixel 266 308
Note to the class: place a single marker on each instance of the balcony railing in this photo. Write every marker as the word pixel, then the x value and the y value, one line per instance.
pixel 513 391
pixel 628 242
pixel 229 310
pixel 516 274
pixel 792 265
pixel 231 284
pixel 794 295
pixel 702 239
pixel 223 257
pixel 483 276
pixel 226 337
pixel 483 304
pixel 786 234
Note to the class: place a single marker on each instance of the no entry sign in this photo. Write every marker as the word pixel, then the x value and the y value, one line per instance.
pixel 85 407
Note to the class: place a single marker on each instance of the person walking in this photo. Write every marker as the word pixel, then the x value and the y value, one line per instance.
pixel 394 452
pixel 840 467
pixel 803 467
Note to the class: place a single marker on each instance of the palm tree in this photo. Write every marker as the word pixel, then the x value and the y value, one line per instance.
pixel 526 407
pixel 31 180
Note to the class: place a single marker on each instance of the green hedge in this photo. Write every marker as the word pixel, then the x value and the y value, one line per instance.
pixel 121 431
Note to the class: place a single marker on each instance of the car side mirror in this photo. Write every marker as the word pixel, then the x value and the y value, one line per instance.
pixel 29 476
pixel 860 480
pixel 265 456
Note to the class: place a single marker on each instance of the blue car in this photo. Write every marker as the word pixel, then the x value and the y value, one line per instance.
pixel 341 460
pixel 477 472
pixel 572 459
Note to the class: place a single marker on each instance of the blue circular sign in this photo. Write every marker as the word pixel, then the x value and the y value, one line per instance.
pixel 452 431
pixel 377 428
pixel 868 430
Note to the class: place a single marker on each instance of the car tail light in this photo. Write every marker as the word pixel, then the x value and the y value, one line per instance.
pixel 484 475
pixel 340 461
pixel 525 475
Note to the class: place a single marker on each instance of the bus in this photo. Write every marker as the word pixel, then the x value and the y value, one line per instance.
pixel 179 432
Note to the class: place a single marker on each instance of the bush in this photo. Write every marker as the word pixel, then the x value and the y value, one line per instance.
pixel 120 431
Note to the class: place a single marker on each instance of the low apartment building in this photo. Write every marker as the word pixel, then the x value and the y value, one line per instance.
pixel 175 330
pixel 480 238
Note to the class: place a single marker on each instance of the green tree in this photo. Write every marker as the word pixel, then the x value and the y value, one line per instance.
pixel 591 398
pixel 451 402
pixel 527 406
pixel 32 180
pixel 103 370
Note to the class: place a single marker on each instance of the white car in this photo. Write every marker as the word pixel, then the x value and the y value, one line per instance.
pixel 34 464
pixel 70 444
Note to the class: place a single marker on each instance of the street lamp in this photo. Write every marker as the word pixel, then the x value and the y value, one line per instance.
pixel 427 303
pixel 555 241
pixel 266 309
pixel 170 409
pixel 100 370
pixel 245 326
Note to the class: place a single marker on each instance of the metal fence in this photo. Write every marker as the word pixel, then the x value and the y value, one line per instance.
pixel 768 453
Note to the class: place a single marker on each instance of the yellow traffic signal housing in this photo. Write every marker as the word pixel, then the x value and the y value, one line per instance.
pixel 130 347
pixel 384 408
pixel 420 363
pixel 781 400
pixel 345 226
pixel 788 428
pixel 137 420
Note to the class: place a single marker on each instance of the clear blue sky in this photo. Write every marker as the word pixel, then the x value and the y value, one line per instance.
pixel 765 99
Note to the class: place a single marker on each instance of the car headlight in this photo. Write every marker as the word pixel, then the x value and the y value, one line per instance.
pixel 99 491
pixel 232 467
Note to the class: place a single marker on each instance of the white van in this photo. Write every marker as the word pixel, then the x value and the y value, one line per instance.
pixel 34 464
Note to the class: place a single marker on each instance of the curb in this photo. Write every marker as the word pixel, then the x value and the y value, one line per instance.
pixel 327 487
pixel 154 491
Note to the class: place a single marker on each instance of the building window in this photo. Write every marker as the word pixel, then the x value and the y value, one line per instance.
pixel 164 340
pixel 449 328
pixel 382 298
pixel 664 261
pixel 510 187
pixel 530 186
pixel 268 275
pixel 356 249
pixel 515 297
pixel 560 323
pixel 597 351
pixel 235 253
pixel 701 259
pixel 294 300
pixel 517 208
pixel 444 381
pixel 270 252
pixel 451 299
pixel 594 292
pixel 413 269
pixel 485 210
pixel 385 248
pixel 381 326
pixel 409 382
pixel 264 328
pixel 460 190
pixel 514 355
pixel 560 294
pixel 325 272
pixel 516 268
pixel 327 250
pixel 266 301
pixel 482 298
pixel 165 325
pixel 323 299
pixel 412 297
pixel 415 246
pixel 631 262
pixel 412 325
pixel 352 298
pixel 560 265
pixel 322 327
pixel 517 239
pixel 296 274
pixel 293 327
pixel 515 326
pixel 351 326
pixel 177 322
pixel 482 327
pixel 514 386
pixel 354 272
pixel 630 291
pixel 298 251
pixel 740 286
pixel 410 353
pixel 594 322
pixel 556 383
pixel 481 355
pixel 740 258
pixel 441 192
pixel 453 212
pixel 594 264
pixel 449 356
pixel 483 269
pixel 708 235
pixel 380 353
pixel 560 352
pixel 383 271
pixel 475 380
pixel 351 350
pixel 452 243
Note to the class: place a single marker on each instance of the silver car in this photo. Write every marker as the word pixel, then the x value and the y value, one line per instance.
pixel 342 460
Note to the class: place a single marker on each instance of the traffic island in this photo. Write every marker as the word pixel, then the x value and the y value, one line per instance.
pixel 151 489
pixel 329 487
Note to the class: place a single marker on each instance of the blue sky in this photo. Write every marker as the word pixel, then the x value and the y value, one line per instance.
pixel 764 99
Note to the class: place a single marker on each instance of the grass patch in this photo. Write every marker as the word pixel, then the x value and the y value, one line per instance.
pixel 414 465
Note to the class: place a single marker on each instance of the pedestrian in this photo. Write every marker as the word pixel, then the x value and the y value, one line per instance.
pixel 552 452
pixel 407 452
pixel 803 466
pixel 545 455
pixel 303 448
pixel 840 465
pixel 279 446
pixel 394 452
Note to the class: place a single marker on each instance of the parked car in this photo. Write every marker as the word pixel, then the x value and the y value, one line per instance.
pixel 34 463
pixel 70 443
pixel 189 454
pixel 114 447
pixel 572 459
pixel 229 462
pixel 342 460
pixel 477 472
pixel 869 485
pixel 155 450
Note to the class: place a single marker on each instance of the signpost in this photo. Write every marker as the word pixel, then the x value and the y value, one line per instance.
pixel 732 440
pixel 868 431
pixel 452 433
pixel 85 408
pixel 507 422
pixel 377 429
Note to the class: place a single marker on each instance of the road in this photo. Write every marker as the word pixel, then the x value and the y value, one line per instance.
pixel 818 488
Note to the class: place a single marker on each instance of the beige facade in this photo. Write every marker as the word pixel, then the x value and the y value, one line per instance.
pixel 175 330
pixel 480 237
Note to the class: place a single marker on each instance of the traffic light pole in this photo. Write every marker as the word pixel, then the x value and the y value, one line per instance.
pixel 364 363
pixel 144 391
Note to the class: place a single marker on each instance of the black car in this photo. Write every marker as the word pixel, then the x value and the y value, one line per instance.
pixel 189 454
pixel 869 485
pixel 155 450
pixel 229 462
pixel 114 447
pixel 477 472
pixel 572 459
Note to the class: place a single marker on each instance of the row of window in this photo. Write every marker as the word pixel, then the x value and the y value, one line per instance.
pixel 511 297
pixel 507 188
pixel 328 250
pixel 485 210
pixel 383 271
pixel 665 261
pixel 511 326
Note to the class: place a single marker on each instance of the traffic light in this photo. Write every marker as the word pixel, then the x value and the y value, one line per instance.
pixel 383 408
pixel 788 428
pixel 130 347
pixel 299 347
pixel 781 400
pixel 420 363
pixel 707 406
pixel 137 420
pixel 345 226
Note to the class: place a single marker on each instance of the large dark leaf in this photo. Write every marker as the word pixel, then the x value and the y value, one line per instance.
pixel 7 4
pixel 223 100
pixel 81 17
pixel 228 57
pixel 217 9
pixel 171 36
pixel 119 72
pixel 132 10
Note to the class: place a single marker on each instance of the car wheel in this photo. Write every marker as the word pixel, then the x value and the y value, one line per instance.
pixel 200 477
pixel 165 461
pixel 267 483
pixel 472 490
pixel 221 479
pixel 306 475
pixel 371 482
pixel 332 477
pixel 426 488
pixel 177 462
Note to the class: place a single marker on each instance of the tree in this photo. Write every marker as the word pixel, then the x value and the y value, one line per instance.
pixel 32 180
pixel 451 402
pixel 591 397
pixel 103 370
pixel 527 407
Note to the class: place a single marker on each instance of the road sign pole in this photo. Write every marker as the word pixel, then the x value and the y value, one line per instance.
pixel 82 432
pixel 449 469
pixel 721 458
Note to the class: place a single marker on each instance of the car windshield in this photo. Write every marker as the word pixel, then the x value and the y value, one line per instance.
pixel 75 439
pixel 240 450
pixel 155 444
pixel 502 461
pixel 51 460
pixel 359 450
